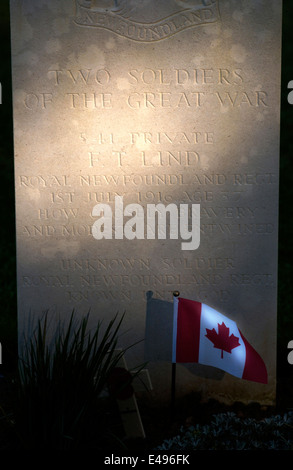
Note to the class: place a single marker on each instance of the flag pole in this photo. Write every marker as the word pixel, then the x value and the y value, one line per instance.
pixel 173 380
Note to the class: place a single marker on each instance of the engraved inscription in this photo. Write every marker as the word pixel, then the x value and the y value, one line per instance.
pixel 145 23
pixel 159 104
pixel 147 89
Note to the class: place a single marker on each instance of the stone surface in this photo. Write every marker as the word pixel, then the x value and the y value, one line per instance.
pixel 157 102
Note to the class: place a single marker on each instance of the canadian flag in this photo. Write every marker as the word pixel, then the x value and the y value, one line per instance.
pixel 202 334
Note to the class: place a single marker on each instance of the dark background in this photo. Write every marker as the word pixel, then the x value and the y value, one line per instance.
pixel 8 304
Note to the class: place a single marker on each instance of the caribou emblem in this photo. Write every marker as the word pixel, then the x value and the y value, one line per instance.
pixel 146 20
pixel 114 4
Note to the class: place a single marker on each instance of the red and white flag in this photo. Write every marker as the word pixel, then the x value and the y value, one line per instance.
pixel 203 335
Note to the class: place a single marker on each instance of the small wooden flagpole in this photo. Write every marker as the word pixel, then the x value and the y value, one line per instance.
pixel 173 381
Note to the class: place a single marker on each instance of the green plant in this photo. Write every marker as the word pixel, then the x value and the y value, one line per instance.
pixel 226 431
pixel 61 382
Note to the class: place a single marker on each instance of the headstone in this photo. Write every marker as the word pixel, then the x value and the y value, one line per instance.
pixel 145 102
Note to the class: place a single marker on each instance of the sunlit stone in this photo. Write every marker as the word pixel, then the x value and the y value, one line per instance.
pixel 156 102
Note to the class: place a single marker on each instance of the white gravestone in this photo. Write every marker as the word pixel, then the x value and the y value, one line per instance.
pixel 151 101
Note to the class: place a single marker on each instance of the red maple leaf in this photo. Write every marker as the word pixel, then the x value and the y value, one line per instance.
pixel 222 340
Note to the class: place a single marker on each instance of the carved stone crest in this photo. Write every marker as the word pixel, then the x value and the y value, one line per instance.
pixel 146 20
